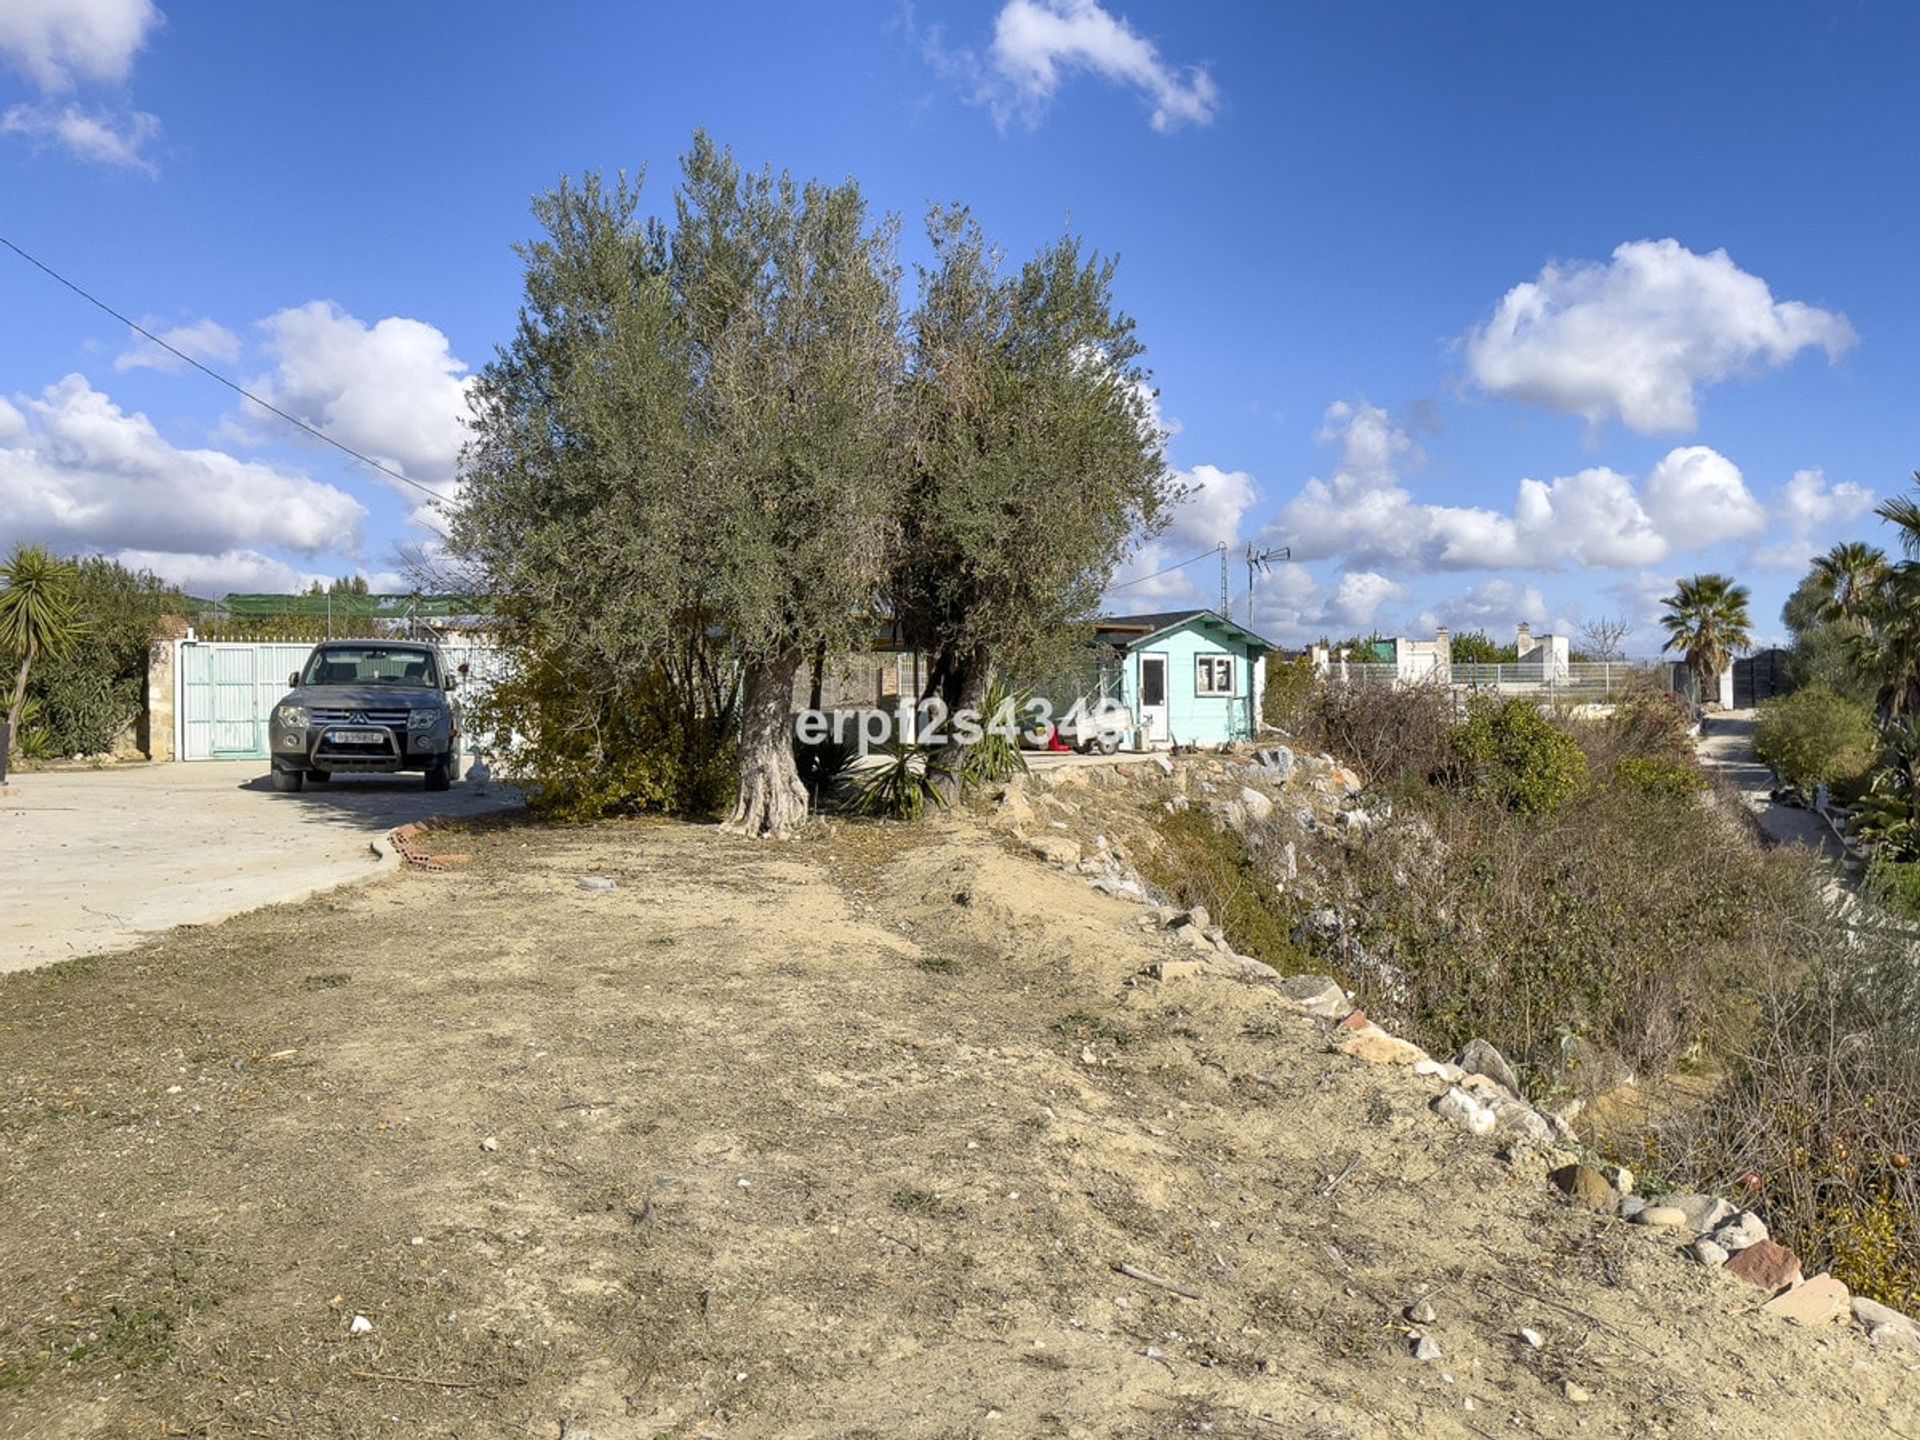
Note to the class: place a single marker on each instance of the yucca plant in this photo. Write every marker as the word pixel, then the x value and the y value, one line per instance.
pixel 38 616
pixel 996 755
pixel 900 788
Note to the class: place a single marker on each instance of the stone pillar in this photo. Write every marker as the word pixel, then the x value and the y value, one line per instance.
pixel 162 656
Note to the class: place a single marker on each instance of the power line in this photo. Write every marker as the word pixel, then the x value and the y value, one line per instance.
pixel 1142 579
pixel 367 460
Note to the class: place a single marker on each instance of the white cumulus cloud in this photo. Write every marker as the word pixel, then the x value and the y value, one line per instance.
pixel 1595 518
pixel 205 340
pixel 1697 493
pixel 78 472
pixel 1805 505
pixel 1494 606
pixel 392 390
pixel 103 137
pixel 1036 43
pixel 1635 338
pixel 56 42
pixel 1358 598
pixel 231 572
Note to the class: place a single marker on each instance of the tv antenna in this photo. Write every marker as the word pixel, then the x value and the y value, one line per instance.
pixel 1259 562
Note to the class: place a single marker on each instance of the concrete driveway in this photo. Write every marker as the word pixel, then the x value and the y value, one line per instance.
pixel 94 860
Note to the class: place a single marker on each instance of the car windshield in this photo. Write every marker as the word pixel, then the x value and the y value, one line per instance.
pixel 372 665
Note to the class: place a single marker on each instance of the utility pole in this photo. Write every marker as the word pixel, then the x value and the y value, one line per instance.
pixel 1261 561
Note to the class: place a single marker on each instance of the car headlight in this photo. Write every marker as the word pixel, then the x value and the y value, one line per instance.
pixel 292 715
pixel 422 719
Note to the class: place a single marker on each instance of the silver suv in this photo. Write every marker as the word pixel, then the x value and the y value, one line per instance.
pixel 367 707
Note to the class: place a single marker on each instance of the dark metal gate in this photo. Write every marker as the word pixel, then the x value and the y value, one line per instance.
pixel 1761 676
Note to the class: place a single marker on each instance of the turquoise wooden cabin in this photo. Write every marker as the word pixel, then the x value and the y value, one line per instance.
pixel 1190 677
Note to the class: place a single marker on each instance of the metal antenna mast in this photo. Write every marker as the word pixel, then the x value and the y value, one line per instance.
pixel 1261 561
pixel 1226 612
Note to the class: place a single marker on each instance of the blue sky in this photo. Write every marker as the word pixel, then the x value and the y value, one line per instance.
pixel 1493 312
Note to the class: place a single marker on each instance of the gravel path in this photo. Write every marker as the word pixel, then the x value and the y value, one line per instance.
pixel 1726 744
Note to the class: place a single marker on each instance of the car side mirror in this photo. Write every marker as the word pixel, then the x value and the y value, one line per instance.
pixel 293 681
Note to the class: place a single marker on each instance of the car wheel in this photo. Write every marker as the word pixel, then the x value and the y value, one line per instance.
pixel 1109 744
pixel 319 777
pixel 440 776
pixel 288 782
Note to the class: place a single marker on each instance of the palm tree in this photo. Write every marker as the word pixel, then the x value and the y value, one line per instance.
pixel 1851 573
pixel 1707 622
pixel 1903 513
pixel 38 616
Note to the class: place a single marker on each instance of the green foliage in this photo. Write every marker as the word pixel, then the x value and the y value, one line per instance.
pixel 1815 737
pixel 1513 755
pixel 1894 885
pixel 1476 647
pixel 690 434
pixel 39 617
pixel 1032 458
pixel 601 744
pixel 1662 780
pixel 1400 736
pixel 996 756
pixel 84 699
pixel 1201 863
pixel 902 786
pixel 1707 622
pixel 1287 702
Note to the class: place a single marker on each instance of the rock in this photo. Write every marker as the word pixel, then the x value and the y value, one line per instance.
pixel 1619 1177
pixel 1215 936
pixel 1465 1111
pixel 1477 1057
pixel 1346 780
pixel 1354 1020
pixel 1631 1206
pixel 1522 1123
pixel 1742 1230
pixel 1055 850
pixel 1421 1312
pixel 1425 1347
pixel 1440 1069
pixel 599 884
pixel 1258 807
pixel 1532 1338
pixel 1165 970
pixel 361 1326
pixel 1576 1394
pixel 1703 1212
pixel 1820 1301
pixel 1873 1316
pixel 1377 1047
pixel 1164 763
pixel 1315 994
pixel 489 1144
pixel 1012 813
pixel 1664 1216
pixel 1706 1252
pixel 1767 1264
pixel 1586 1189
pixel 1124 888
pixel 1197 918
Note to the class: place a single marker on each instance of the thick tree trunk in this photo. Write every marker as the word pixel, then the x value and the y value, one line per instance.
pixel 773 802
pixel 963 687
pixel 19 704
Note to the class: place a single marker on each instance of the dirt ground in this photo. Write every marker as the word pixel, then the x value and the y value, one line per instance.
pixel 841 1139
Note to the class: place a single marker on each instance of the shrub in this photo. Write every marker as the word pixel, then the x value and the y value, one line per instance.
pixel 1816 737
pixel 1202 863
pixel 1894 885
pixel 1661 780
pixel 587 747
pixel 1647 723
pixel 1287 702
pixel 901 787
pixel 1400 736
pixel 1511 754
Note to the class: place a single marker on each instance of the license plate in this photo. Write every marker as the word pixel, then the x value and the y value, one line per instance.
pixel 356 737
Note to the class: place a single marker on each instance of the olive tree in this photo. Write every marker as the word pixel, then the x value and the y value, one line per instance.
pixel 683 463
pixel 1033 458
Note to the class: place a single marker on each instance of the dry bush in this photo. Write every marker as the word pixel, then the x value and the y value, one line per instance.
pixel 1819 1122
pixel 1624 922
pixel 1400 737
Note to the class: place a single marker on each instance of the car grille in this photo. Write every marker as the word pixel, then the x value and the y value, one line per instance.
pixel 359 717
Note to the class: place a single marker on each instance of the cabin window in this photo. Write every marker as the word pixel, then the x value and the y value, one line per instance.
pixel 1213 675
